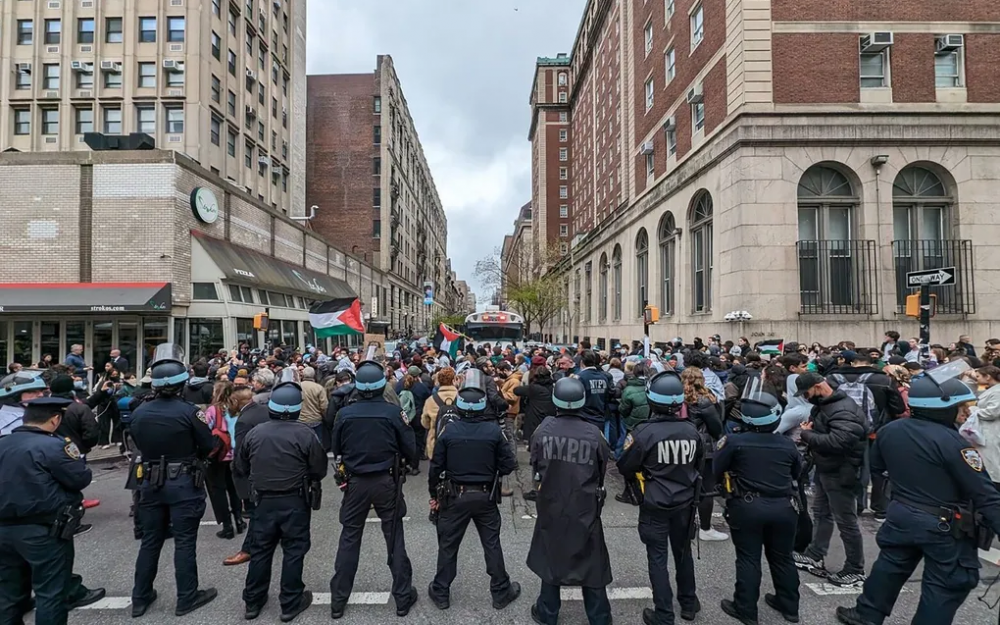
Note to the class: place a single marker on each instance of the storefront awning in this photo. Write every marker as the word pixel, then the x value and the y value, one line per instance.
pixel 89 297
pixel 246 266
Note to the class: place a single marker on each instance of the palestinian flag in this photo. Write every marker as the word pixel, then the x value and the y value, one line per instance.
pixel 772 347
pixel 336 317
pixel 446 340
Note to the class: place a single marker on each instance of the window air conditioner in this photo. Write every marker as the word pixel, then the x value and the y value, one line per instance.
pixel 876 42
pixel 251 75
pixel 251 111
pixel 24 68
pixel 670 124
pixel 264 160
pixel 646 148
pixel 695 95
pixel 172 65
pixel 949 43
pixel 77 66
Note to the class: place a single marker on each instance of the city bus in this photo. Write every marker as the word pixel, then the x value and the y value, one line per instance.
pixel 496 327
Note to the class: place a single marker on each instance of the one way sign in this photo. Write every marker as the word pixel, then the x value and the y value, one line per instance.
pixel 931 277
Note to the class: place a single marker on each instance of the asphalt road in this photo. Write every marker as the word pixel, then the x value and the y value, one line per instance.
pixel 106 556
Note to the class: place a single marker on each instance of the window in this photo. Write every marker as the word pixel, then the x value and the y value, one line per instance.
pixel 231 142
pixel 378 105
pixel 231 62
pixel 206 337
pixel 668 247
pixel 145 119
pixel 562 79
pixel 589 286
pixel 647 35
pixel 85 79
pixel 231 103
pixel 563 134
pixel 649 164
pixel 616 274
pixel 563 230
pixel 260 93
pixel 948 69
pixel 563 192
pixel 274 108
pixel 147 75
pixel 563 116
pixel 216 89
pixel 260 131
pixel 50 76
pixel 641 269
pixel 53 32
pixel 216 8
pixel 698 116
pixel 826 201
pixel 85 30
pixel 83 119
pixel 216 46
pixel 147 30
pixel 112 80
pixel 563 154
pixel 249 84
pixel 697 26
pixel 250 39
pixel 50 121
pixel 671 135
pixel 175 78
pixel 701 252
pixel 564 173
pixel 563 211
pixel 669 10
pixel 22 80
pixel 216 130
pixel 377 134
pixel 376 197
pixel 873 66
pixel 25 32
pixel 175 29
pixel 562 97
pixel 175 119
pixel 22 121
pixel 602 290
pixel 649 94
pixel 112 120
pixel 670 62
pixel 248 154
pixel 113 30
pixel 204 290
pixel 232 23
pixel 377 166
pixel 377 229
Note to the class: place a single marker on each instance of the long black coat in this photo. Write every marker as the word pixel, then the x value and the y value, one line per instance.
pixel 567 547
pixel 536 402
pixel 252 415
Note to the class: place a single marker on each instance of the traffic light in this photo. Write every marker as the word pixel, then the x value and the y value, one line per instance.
pixel 913 305
pixel 260 321
pixel 651 314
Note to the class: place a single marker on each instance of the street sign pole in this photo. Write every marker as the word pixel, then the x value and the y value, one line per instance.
pixel 925 321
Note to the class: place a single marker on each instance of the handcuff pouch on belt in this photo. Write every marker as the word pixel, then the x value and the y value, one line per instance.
pixel 972 525
pixel 313 490
pixel 66 524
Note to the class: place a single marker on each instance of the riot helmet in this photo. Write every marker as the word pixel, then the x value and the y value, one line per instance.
pixel 472 396
pixel 285 401
pixel 937 394
pixel 369 379
pixel 759 410
pixel 569 394
pixel 665 392
pixel 168 370
pixel 19 382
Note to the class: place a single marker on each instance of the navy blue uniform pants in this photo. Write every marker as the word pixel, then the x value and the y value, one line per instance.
pixel 283 519
pixel 249 506
pixel 595 603
pixel 767 524
pixel 663 534
pixel 49 564
pixel 363 492
pixel 951 567
pixel 475 506
pixel 181 505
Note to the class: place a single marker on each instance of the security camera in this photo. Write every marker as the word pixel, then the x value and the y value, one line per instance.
pixel 730 316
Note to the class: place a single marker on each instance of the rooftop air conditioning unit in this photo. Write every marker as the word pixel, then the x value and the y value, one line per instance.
pixel 24 68
pixel 694 95
pixel 949 43
pixel 646 148
pixel 670 125
pixel 876 42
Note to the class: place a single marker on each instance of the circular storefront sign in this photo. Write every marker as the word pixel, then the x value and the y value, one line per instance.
pixel 205 205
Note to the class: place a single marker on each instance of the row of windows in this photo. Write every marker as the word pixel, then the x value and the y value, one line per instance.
pixel 697 27
pixel 949 68
pixel 111 119
pixel 113 30
pixel 207 291
pixel 146 77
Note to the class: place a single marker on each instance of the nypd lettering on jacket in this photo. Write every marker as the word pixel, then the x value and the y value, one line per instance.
pixel 677 451
pixel 568 449
pixel 598 385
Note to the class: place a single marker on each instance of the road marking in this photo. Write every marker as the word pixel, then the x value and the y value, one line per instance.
pixel 204 523
pixel 375 519
pixel 642 592
pixel 356 598
pixel 992 556
pixel 109 603
pixel 824 590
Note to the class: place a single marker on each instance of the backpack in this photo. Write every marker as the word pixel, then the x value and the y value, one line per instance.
pixel 860 393
pixel 408 404
pixel 447 412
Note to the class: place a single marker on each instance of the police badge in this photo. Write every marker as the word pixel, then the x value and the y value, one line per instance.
pixel 973 459
pixel 72 450
pixel 202 417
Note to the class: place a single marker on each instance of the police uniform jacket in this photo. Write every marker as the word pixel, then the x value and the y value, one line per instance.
pixel 597 383
pixel 669 452
pixel 471 451
pixel 567 547
pixel 279 455
pixel 79 425
pixel 171 428
pixel 253 414
pixel 41 473
pixel 763 464
pixel 370 433
pixel 839 436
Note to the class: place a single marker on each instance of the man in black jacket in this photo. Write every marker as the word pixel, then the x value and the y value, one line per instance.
pixel 78 423
pixel 199 388
pixel 836 438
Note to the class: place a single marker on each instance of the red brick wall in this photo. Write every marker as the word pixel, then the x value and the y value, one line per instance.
pixel 885 10
pixel 716 96
pixel 339 153
pixel 912 67
pixel 814 68
pixel 552 176
pixel 982 67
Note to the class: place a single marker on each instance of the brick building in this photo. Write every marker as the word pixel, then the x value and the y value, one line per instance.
pixel 367 174
pixel 110 253
pixel 517 254
pixel 551 155
pixel 788 158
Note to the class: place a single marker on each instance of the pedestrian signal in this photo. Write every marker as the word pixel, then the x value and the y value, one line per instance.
pixel 913 305
pixel 260 322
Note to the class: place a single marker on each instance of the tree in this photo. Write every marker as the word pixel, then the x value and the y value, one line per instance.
pixel 519 275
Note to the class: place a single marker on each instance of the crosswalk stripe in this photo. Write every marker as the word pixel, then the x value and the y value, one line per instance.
pixel 109 603
pixel 375 519
pixel 615 594
pixel 357 598
pixel 824 590
pixel 992 556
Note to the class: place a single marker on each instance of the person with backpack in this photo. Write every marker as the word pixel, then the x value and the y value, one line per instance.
pixel 222 494
pixel 441 403
pixel 536 397
pixel 704 411
pixel 406 400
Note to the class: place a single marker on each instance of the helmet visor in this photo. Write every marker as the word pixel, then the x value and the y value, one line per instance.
pixel 167 352
pixel 753 390
pixel 474 379
pixel 288 374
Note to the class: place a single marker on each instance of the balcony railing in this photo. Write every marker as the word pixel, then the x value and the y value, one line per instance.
pixel 920 255
pixel 838 277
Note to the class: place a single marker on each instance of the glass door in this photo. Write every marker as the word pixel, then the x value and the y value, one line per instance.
pixel 50 340
pixel 154 332
pixel 128 344
pixel 103 341
pixel 23 344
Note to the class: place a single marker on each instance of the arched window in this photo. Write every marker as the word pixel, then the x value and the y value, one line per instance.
pixel 668 247
pixel 616 275
pixel 641 268
pixel 602 311
pixel 701 252
pixel 827 263
pixel 588 304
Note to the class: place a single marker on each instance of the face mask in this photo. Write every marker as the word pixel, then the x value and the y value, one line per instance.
pixel 815 400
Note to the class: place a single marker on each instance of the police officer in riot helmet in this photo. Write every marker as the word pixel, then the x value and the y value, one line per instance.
pixel 374 441
pixel 667 451
pixel 569 456
pixel 470 457
pixel 285 462
pixel 18 387
pixel 757 470
pixel 173 439
pixel 939 490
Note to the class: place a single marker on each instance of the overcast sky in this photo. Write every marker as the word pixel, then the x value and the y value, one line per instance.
pixel 466 68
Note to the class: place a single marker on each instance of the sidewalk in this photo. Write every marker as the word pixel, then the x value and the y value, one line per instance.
pixel 104 456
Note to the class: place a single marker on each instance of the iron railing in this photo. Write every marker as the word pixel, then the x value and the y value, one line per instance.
pixel 838 277
pixel 921 255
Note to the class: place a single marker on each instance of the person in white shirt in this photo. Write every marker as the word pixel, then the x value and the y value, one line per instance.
pixel 798 409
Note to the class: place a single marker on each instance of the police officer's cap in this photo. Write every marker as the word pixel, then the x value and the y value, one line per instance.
pixel 285 401
pixel 370 377
pixel 761 410
pixel 665 390
pixel 42 408
pixel 925 394
pixel 20 382
pixel 569 394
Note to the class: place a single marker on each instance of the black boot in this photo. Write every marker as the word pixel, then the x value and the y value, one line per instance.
pixel 241 525
pixel 226 532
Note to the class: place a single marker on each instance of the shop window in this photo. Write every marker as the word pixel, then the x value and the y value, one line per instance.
pixel 204 290
pixel 245 333
pixel 23 339
pixel 180 333
pixel 262 297
pixel 206 338
pixel 3 343
pixel 154 332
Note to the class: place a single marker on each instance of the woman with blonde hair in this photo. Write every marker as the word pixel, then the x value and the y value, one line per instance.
pixel 704 411
pixel 901 376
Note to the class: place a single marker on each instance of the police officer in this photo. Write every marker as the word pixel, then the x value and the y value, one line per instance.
pixel 570 455
pixel 668 451
pixel 20 386
pixel 285 463
pixel 473 455
pixel 172 437
pixel 374 439
pixel 757 469
pixel 937 482
pixel 39 516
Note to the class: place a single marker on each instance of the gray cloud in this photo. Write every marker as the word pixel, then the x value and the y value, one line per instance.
pixel 466 68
